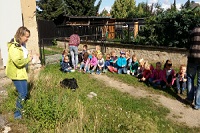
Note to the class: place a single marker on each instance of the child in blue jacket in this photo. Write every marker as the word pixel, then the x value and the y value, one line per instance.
pixel 65 66
pixel 121 63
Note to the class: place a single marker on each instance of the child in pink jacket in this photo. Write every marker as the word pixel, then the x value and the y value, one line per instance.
pixel 168 75
pixel 156 77
pixel 92 64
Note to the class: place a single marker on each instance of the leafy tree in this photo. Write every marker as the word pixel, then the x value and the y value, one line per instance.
pixel 187 5
pixel 49 9
pixel 82 7
pixel 170 28
pixel 139 12
pixel 104 13
pixel 53 9
pixel 145 10
pixel 122 8
pixel 158 9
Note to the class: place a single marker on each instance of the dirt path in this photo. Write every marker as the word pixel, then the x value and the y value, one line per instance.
pixel 179 112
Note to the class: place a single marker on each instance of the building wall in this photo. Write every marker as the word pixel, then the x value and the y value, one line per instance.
pixel 29 21
pixel 10 16
pixel 13 14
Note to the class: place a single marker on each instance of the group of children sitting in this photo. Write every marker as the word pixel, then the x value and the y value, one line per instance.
pixel 91 62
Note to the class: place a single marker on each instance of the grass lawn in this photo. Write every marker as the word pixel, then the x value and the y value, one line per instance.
pixel 51 108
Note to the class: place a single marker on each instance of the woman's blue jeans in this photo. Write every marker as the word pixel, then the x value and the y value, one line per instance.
pixel 22 89
pixel 192 70
pixel 74 55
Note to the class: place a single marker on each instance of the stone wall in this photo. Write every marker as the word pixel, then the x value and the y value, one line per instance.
pixel 150 53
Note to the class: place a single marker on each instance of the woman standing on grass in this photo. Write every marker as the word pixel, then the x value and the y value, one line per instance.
pixel 18 58
pixel 74 41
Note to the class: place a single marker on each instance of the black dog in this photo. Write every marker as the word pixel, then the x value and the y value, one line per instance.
pixel 69 83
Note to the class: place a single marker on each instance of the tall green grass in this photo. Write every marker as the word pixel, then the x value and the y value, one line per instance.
pixel 51 108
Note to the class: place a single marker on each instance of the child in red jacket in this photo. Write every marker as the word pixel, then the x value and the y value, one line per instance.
pixel 148 68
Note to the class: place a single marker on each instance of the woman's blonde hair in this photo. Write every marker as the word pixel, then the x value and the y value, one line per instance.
pixel 21 32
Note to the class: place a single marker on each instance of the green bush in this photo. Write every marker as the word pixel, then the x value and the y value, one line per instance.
pixel 170 28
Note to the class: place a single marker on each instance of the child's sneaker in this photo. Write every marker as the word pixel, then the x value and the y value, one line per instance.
pixel 72 70
pixel 91 72
pixel 98 72
pixel 105 71
pixel 88 71
pixel 164 87
pixel 177 90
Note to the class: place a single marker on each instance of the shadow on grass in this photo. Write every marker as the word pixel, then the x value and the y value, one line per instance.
pixel 169 92
pixel 172 92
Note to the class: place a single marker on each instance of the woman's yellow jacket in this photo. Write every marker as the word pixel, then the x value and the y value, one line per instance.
pixel 16 65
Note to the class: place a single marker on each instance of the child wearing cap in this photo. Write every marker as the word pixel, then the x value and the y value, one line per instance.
pixel 121 63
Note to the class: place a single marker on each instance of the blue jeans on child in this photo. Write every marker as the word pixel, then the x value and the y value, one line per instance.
pixel 156 84
pixel 22 89
pixel 180 85
pixel 192 69
pixel 98 70
pixel 68 70
pixel 82 65
pixel 122 70
pixel 74 55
